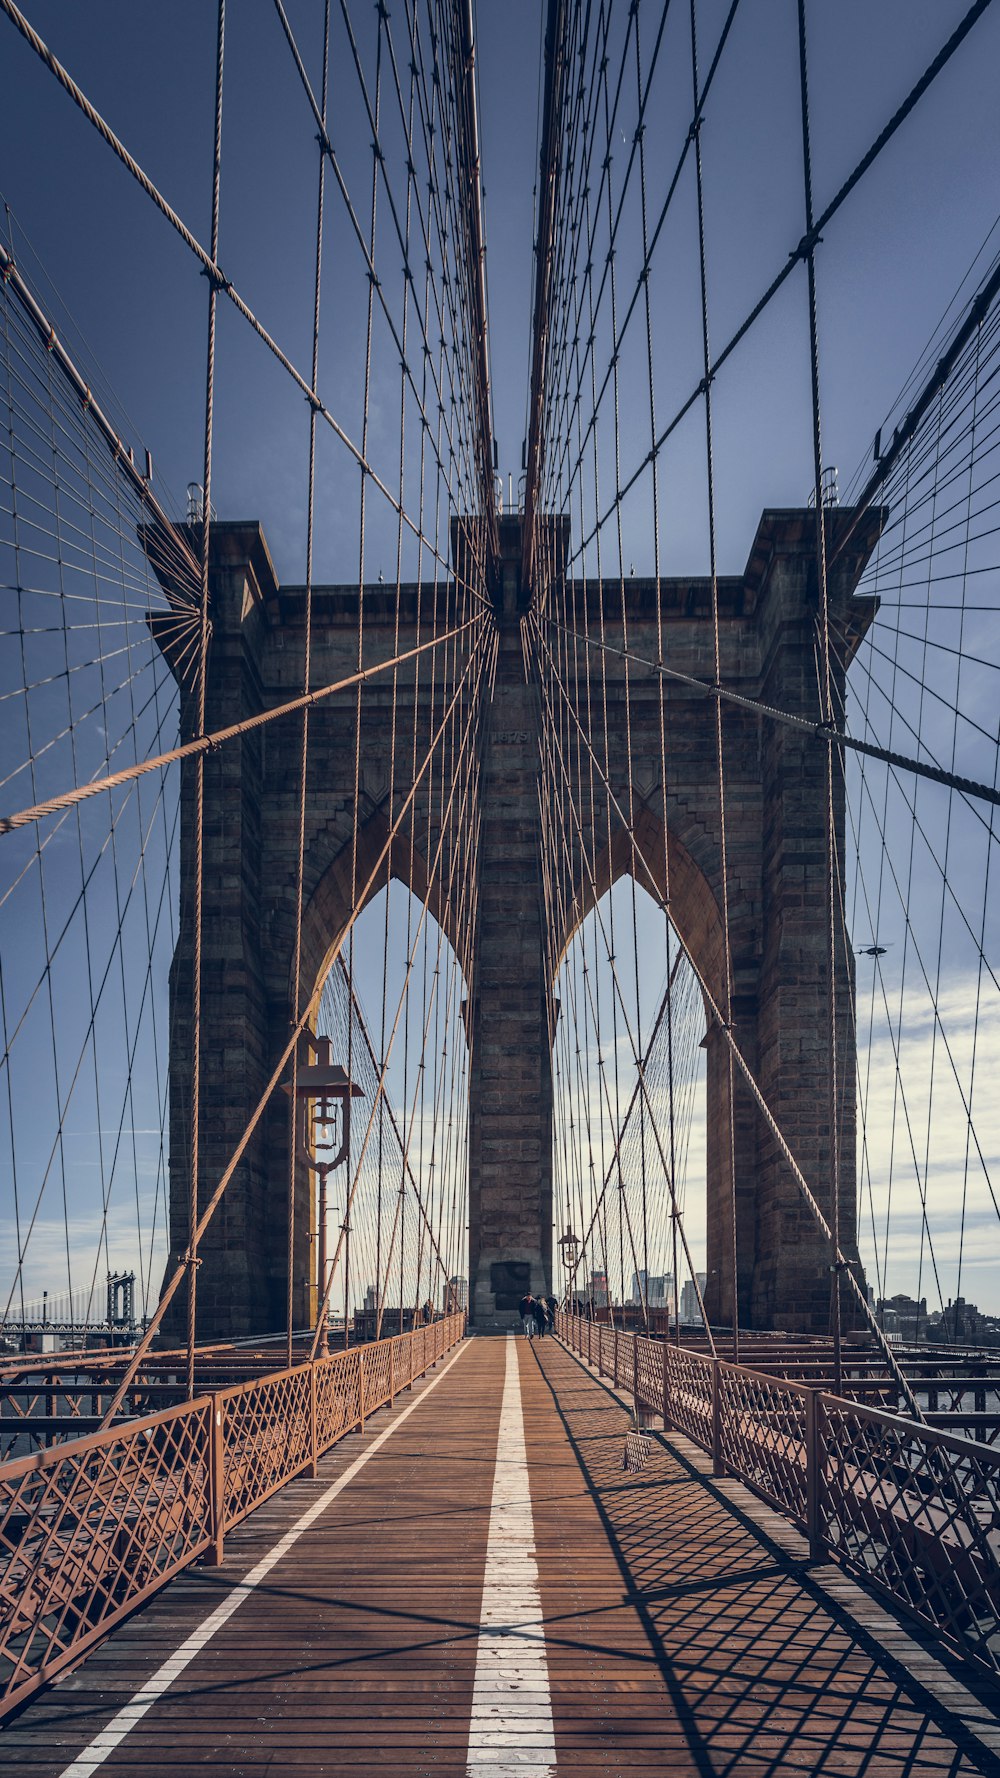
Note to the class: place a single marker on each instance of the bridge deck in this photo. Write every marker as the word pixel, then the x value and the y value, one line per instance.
pixel 653 1623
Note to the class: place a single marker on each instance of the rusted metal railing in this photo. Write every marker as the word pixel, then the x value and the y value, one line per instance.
pixel 912 1509
pixel 91 1528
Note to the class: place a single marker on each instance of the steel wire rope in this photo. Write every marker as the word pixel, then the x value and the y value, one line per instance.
pixel 936 991
pixel 300 854
pixel 64 1100
pixel 912 943
pixel 149 647
pixel 197 909
pixel 875 928
pixel 727 950
pixel 208 262
pixel 655 519
pixel 827 715
pixel 650 247
pixel 900 1099
pixel 327 151
pixel 756 1092
pixel 801 251
pixel 830 735
pixel 617 995
pixel 401 1015
pixel 171 1285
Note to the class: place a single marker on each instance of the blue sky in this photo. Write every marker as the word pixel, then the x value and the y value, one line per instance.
pixel 887 271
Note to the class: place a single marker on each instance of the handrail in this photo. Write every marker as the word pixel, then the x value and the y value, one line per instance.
pixel 909 1508
pixel 91 1528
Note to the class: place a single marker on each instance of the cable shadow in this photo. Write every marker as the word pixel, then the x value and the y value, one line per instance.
pixel 767 1675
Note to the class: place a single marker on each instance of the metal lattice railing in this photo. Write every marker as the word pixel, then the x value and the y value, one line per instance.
pixel 912 1509
pixel 689 1393
pixel 89 1529
pixel 763 1435
pixel 917 1511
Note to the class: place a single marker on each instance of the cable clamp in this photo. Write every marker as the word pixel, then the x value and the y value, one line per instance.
pixel 323 138
pixel 216 278
pixel 806 245
pixel 192 1260
pixel 314 402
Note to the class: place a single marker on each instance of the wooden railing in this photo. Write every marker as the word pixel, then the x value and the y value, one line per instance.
pixel 89 1529
pixel 912 1509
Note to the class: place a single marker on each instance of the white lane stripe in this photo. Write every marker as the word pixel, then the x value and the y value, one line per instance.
pixel 109 1738
pixel 511 1734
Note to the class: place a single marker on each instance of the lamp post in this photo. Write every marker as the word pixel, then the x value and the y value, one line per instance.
pixel 569 1247
pixel 323 1094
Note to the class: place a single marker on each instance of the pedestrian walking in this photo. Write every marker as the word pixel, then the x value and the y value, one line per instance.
pixel 541 1317
pixel 527 1313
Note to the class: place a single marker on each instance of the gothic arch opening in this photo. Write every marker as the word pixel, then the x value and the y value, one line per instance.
pixel 693 902
pixel 629 1087
pixel 390 1227
pixel 348 874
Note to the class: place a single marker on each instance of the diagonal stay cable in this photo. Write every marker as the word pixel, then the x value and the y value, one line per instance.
pixel 206 260
pixel 833 736
pixel 741 1062
pixel 207 743
pixel 799 253
pixel 173 1283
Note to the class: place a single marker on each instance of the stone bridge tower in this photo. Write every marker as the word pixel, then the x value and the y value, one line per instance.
pixel 776 884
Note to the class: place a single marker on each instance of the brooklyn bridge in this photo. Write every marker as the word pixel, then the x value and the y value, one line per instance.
pixel 500 1133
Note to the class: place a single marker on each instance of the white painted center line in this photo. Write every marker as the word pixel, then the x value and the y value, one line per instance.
pixel 94 1755
pixel 511 1734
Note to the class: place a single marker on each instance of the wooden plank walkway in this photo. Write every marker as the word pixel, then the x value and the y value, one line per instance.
pixel 656 1623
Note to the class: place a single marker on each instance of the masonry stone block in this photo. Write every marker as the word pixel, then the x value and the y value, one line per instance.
pixel 776 1272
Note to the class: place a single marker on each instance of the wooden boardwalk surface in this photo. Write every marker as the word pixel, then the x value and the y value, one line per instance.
pixel 451 1609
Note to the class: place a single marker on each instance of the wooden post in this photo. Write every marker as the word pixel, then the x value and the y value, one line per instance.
pixel 635 1373
pixel 615 1361
pixel 392 1372
pixel 361 1387
pixel 666 1387
pixel 718 1467
pixel 216 1484
pixel 409 1347
pixel 814 1476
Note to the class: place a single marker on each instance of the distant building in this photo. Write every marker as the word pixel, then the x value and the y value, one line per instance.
pixel 963 1324
pixel 599 1289
pixel 689 1298
pixel 459 1288
pixel 903 1318
pixel 658 1289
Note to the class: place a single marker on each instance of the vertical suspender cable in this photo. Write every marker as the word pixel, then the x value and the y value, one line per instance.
pixel 827 717
pixel 304 755
pixel 199 818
